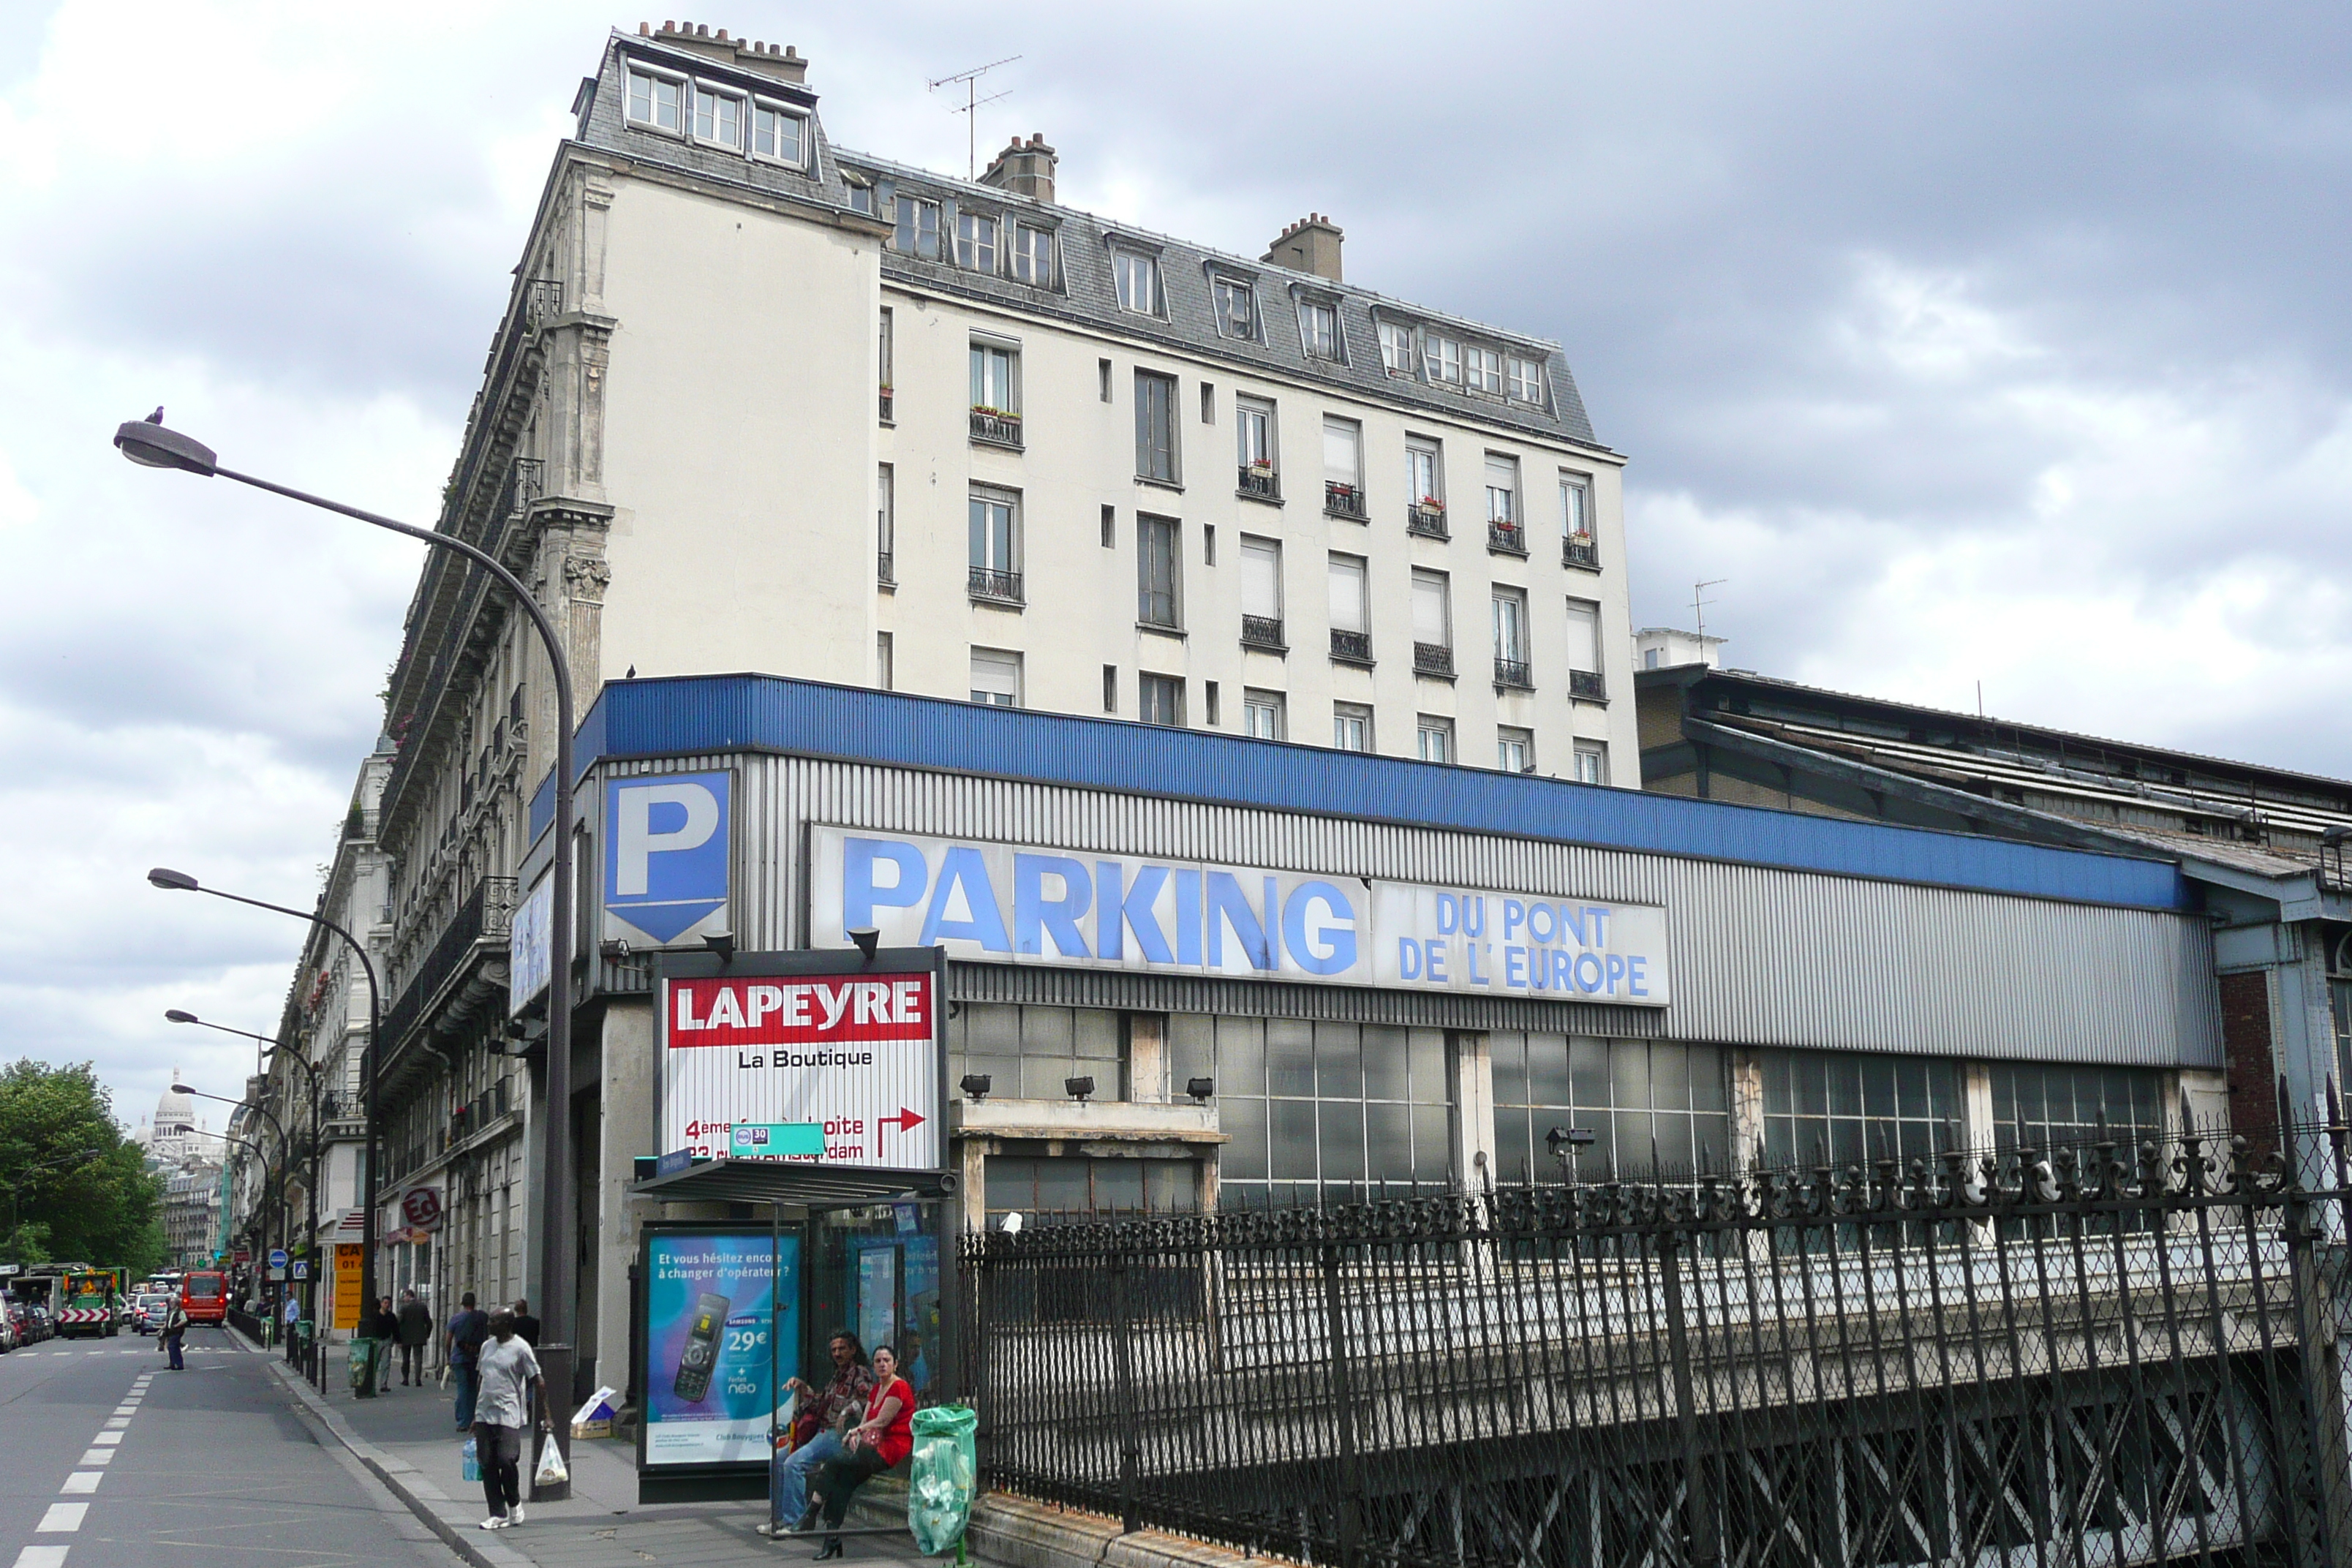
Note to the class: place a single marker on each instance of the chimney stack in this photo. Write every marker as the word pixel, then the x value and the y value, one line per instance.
pixel 1024 168
pixel 1311 245
pixel 780 61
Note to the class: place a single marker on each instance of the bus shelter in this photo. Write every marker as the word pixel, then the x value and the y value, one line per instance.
pixel 725 1311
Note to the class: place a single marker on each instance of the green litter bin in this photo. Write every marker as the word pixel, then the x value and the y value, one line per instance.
pixel 366 1360
pixel 943 1477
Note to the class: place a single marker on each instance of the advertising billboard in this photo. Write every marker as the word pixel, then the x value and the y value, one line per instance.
pixel 1003 903
pixel 714 1314
pixel 840 1063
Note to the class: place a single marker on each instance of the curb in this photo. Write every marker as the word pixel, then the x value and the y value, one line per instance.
pixel 404 1482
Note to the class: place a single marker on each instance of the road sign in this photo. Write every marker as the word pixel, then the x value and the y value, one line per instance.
pixel 777 1141
pixel 301 1268
pixel 278 1257
pixel 815 1040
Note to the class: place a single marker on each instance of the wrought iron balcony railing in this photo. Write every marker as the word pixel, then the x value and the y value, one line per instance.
pixel 1002 587
pixel 996 428
pixel 1343 501
pixel 1264 632
pixel 1579 550
pixel 1425 519
pixel 886 566
pixel 886 406
pixel 1587 684
pixel 1433 658
pixel 1351 647
pixel 1507 537
pixel 1260 484
pixel 1514 675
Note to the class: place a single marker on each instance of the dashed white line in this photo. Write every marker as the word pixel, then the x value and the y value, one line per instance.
pixel 98 1457
pixel 63 1518
pixel 109 1438
pixel 82 1481
pixel 118 1423
pixel 41 1557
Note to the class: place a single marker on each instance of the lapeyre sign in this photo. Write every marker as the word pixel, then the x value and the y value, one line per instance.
pixel 857 1051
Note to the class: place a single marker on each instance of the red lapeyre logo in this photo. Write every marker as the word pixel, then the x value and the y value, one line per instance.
pixel 783 1011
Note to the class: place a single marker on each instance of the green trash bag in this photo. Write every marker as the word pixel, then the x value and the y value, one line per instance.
pixel 943 1475
pixel 363 1363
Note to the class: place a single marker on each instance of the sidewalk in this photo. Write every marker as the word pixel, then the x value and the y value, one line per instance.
pixel 408 1439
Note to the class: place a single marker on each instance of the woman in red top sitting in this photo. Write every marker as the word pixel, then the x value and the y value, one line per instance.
pixel 878 1443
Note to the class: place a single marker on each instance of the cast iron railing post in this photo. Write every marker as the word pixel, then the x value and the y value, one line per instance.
pixel 1343 1408
pixel 1130 1449
pixel 1698 1496
pixel 2315 1331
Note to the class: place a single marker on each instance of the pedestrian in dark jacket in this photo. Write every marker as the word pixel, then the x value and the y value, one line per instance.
pixel 415 1326
pixel 467 1332
pixel 384 1327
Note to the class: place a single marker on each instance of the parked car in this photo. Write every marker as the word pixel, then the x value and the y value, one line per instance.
pixel 147 1313
pixel 32 1324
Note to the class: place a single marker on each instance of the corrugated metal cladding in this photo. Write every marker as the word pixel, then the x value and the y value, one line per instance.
pixel 1761 955
pixel 766 713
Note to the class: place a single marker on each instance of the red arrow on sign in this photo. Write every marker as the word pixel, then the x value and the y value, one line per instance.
pixel 906 1120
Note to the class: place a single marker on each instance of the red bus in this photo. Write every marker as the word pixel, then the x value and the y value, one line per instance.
pixel 205 1297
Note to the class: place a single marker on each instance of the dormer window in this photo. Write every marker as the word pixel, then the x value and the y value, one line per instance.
pixel 1319 328
pixel 976 242
pixel 1396 348
pixel 1483 370
pixel 1032 255
pixel 1236 302
pixel 918 229
pixel 1442 358
pixel 781 134
pixel 861 198
pixel 1526 380
pixel 718 118
pixel 657 101
pixel 1136 275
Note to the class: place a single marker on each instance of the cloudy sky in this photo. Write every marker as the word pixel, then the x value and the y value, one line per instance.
pixel 1995 341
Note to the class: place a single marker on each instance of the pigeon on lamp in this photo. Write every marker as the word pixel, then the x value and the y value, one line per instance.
pixel 156 417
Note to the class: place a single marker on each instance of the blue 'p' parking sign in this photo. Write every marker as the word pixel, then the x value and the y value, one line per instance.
pixel 667 850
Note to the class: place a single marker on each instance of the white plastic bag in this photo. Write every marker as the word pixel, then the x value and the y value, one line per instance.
pixel 550 1471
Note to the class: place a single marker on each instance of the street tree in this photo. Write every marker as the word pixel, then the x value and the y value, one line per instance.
pixel 74 1186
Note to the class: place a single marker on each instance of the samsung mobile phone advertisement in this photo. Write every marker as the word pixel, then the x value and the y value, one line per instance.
pixel 710 1343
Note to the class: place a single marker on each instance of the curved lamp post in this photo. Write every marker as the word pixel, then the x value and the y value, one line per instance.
pixel 262 1155
pixel 312 1193
pixel 151 444
pixel 310 1073
pixel 180 881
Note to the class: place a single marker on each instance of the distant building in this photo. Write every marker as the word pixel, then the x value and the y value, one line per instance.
pixel 2264 848
pixel 192 1208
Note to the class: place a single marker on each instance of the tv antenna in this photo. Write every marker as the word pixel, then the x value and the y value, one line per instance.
pixel 1699 601
pixel 969 107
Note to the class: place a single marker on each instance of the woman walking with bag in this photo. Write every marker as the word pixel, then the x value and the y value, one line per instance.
pixel 885 1438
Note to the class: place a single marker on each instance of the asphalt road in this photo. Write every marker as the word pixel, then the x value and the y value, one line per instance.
pixel 110 1459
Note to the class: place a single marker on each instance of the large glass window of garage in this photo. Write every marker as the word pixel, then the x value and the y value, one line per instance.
pixel 2043 1107
pixel 1656 1108
pixel 1856 1108
pixel 1032 1053
pixel 1320 1111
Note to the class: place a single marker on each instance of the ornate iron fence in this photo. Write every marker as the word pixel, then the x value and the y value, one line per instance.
pixel 2090 1360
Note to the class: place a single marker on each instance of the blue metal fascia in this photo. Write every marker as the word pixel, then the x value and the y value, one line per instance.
pixel 693 714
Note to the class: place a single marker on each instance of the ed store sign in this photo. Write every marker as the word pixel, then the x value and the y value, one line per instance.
pixel 1005 904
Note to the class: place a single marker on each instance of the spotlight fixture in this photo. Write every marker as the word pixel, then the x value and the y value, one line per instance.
pixel 172 881
pixel 976 1085
pixel 181 1016
pixel 1077 1088
pixel 1201 1089
pixel 612 949
pixel 867 939
pixel 721 943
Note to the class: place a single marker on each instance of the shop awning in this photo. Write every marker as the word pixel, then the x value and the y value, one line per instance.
pixel 813 1187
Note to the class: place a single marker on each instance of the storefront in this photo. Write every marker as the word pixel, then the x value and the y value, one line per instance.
pixel 1190 971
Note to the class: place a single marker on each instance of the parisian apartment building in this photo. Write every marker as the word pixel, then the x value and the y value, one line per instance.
pixel 759 403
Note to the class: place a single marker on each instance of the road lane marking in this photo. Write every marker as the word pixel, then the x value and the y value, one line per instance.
pixel 108 1438
pixel 63 1518
pixel 126 1410
pixel 41 1557
pixel 98 1457
pixel 118 1423
pixel 83 1481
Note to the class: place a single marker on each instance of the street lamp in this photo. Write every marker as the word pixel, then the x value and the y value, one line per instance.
pixel 310 1073
pixel 180 882
pixel 309 1193
pixel 152 444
